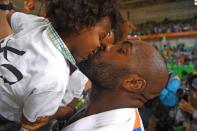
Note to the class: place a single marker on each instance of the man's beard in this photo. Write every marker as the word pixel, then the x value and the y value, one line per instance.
pixel 101 72
pixel 97 70
pixel 86 66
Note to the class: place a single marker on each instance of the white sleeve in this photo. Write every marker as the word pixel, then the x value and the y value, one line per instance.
pixel 77 83
pixel 20 21
pixel 75 87
pixel 195 115
pixel 42 104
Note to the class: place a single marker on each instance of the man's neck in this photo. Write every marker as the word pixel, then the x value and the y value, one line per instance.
pixel 113 100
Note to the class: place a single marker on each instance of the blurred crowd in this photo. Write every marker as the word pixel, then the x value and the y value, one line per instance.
pixel 179 54
pixel 144 3
pixel 161 115
pixel 166 26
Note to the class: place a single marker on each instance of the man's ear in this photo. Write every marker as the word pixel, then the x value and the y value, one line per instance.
pixel 133 83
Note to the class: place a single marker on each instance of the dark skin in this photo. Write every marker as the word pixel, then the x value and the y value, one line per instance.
pixel 124 76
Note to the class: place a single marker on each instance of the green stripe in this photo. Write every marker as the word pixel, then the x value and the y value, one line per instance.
pixel 58 42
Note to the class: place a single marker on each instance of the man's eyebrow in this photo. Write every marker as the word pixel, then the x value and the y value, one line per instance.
pixel 128 42
pixel 131 45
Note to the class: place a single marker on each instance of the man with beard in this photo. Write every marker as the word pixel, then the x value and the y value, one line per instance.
pixel 124 77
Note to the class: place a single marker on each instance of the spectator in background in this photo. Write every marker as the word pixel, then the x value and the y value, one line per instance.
pixel 168 96
pixel 42 11
pixel 189 116
pixel 166 26
pixel 167 99
pixel 5 8
pixel 28 6
pixel 125 27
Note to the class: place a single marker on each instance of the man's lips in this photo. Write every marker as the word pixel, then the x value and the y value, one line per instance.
pixel 93 53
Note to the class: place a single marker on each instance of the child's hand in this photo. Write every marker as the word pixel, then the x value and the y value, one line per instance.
pixel 29 5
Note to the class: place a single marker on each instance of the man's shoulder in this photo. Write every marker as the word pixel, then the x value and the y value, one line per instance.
pixel 110 120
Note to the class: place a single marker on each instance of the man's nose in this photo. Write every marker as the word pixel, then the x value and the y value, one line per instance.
pixel 107 48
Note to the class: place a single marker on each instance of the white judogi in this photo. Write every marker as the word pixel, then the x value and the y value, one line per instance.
pixel 34 74
pixel 126 119
pixel 75 86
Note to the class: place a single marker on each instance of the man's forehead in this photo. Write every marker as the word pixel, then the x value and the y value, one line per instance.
pixel 136 43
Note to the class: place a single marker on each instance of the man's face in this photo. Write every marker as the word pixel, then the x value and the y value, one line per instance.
pixel 109 65
pixel 89 39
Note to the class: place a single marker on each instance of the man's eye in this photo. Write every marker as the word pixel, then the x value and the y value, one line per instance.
pixel 121 50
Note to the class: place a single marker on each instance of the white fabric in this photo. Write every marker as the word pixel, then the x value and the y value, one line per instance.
pixel 75 86
pixel 44 69
pixel 195 115
pixel 114 120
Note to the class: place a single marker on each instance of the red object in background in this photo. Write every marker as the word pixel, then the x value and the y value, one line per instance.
pixel 169 35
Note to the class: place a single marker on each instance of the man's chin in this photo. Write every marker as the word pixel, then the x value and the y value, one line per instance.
pixel 78 60
pixel 89 66
pixel 83 66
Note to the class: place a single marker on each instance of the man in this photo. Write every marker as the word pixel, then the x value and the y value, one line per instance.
pixel 37 61
pixel 124 77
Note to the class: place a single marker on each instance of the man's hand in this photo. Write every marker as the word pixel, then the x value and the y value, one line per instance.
pixel 185 106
